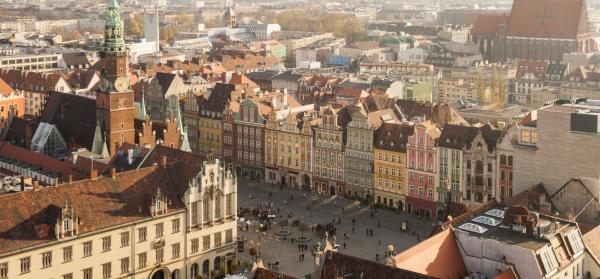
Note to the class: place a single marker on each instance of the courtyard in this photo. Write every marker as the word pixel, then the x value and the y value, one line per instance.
pixel 303 211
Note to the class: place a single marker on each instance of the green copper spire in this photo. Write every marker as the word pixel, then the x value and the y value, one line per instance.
pixel 114 28
pixel 142 111
pixel 113 4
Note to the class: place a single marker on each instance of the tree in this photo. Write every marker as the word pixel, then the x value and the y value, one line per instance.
pixel 252 252
pixel 168 32
pixel 303 227
pixel 135 25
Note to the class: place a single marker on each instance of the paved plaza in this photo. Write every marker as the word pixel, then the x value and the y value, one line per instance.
pixel 386 226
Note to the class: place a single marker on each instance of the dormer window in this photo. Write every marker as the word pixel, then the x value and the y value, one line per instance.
pixel 67 224
pixel 158 205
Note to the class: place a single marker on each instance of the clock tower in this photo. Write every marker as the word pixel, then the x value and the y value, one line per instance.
pixel 114 98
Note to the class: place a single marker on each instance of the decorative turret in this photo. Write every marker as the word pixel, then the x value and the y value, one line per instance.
pixel 114 28
pixel 67 225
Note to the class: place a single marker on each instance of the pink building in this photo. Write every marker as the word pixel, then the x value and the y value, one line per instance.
pixel 421 171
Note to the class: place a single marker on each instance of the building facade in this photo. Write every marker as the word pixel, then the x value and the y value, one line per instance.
pixel 328 176
pixel 389 163
pixel 421 175
pixel 288 148
pixel 250 134
pixel 358 155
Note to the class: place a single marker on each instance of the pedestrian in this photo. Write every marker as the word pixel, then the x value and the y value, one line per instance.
pixel 292 240
pixel 353 221
pixel 302 256
pixel 344 245
pixel 376 257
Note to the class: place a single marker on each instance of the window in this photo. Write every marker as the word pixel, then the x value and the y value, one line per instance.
pixel 68 254
pixel 4 270
pixel 159 229
pixel 195 245
pixel 124 239
pixel 175 250
pixel 206 242
pixel 142 234
pixel 228 203
pixel 420 191
pixel 106 270
pixel 142 258
pixel 68 276
pixel 87 248
pixel 47 259
pixel 87 273
pixel 160 255
pixel 175 225
pixel 228 236
pixel 218 239
pixel 489 167
pixel 430 193
pixel 106 244
pixel 125 265
pixel 25 264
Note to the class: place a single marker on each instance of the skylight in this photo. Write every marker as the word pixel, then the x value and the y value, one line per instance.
pixel 472 228
pixel 486 220
pixel 575 242
pixel 549 260
pixel 495 213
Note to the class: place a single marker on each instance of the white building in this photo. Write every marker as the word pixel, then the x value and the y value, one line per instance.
pixel 262 31
pixel 145 223
pixel 152 28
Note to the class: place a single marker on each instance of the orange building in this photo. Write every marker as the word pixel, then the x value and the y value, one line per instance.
pixel 12 103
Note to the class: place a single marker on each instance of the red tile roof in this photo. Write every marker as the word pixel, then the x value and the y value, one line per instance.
pixel 488 24
pixel 102 203
pixel 558 19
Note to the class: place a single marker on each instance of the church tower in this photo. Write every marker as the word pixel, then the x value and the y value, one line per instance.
pixel 114 99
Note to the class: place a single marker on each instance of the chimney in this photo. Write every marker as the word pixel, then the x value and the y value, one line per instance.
pixel 94 174
pixel 36 185
pixel 163 161
pixel 113 172
pixel 70 178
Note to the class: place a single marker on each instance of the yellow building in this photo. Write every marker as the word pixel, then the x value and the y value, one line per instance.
pixel 389 163
pixel 210 135
pixel 211 115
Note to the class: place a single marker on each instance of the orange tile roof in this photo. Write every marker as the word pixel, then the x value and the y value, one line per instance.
pixel 558 19
pixel 437 256
pixel 5 89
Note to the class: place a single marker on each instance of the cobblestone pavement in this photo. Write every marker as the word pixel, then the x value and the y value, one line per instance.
pixel 386 226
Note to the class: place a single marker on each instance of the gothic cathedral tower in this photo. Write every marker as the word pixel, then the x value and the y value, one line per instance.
pixel 114 99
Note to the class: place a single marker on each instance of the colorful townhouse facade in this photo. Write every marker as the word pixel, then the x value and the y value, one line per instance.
pixel 389 163
pixel 328 176
pixel 421 165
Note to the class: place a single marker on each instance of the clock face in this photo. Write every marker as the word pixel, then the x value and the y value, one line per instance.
pixel 121 84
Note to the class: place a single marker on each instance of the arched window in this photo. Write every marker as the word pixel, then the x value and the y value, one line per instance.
pixel 194 270
pixel 479 167
pixel 478 197
pixel 218 200
pixel 175 273
pixel 205 209
pixel 205 267
pixel 217 264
